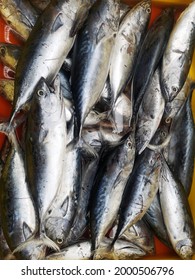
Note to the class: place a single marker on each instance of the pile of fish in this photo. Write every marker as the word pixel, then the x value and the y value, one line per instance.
pixel 100 145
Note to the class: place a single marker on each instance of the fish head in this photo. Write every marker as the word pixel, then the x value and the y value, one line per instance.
pixel 46 98
pixel 55 230
pixel 185 249
pixel 146 5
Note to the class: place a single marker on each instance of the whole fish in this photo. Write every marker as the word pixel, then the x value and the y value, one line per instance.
pixel 128 41
pixel 41 56
pixel 140 190
pixel 20 15
pixel 91 153
pixel 82 251
pixel 18 213
pixel 45 142
pixel 108 190
pixel 181 148
pixel 150 54
pixel 58 218
pixel 9 54
pixel 177 57
pixel 91 58
pixel 178 219
pixel 150 113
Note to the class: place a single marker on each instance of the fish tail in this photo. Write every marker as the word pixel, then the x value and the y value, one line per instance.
pixel 43 240
pixel 105 252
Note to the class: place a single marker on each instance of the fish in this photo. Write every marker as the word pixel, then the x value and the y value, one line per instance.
pixel 82 251
pixel 19 15
pixel 154 218
pixel 59 216
pixel 91 57
pixel 140 190
pixel 109 185
pixel 181 147
pixel 150 113
pixel 89 167
pixel 5 252
pixel 178 219
pixel 18 213
pixel 177 57
pixel 128 41
pixel 150 54
pixel 45 145
pixel 9 55
pixel 41 56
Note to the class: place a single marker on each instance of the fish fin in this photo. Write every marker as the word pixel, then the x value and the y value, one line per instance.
pixel 104 253
pixel 26 230
pixel 80 17
pixel 57 23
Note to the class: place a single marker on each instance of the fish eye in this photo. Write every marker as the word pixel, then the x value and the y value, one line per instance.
pixel 148 10
pixel 2 50
pixel 168 120
pixel 174 89
pixel 59 241
pixel 40 93
pixel 129 144
pixel 163 133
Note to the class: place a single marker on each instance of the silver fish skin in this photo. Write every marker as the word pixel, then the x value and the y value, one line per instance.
pixel 7 89
pixel 59 216
pixel 128 40
pixel 150 54
pixel 82 251
pixel 150 113
pixel 154 218
pixel 139 234
pixel 177 57
pixel 5 252
pixel 90 162
pixel 41 56
pixel 9 54
pixel 108 190
pixel 18 213
pixel 140 190
pixel 173 107
pixel 91 57
pixel 124 9
pixel 181 148
pixel 45 142
pixel 20 15
pixel 178 219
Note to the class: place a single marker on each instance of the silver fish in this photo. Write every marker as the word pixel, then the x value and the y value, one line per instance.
pixel 45 141
pixel 150 113
pixel 82 251
pixel 181 147
pixel 140 190
pixel 127 43
pixel 20 15
pixel 178 219
pixel 41 56
pixel 91 57
pixel 109 186
pixel 18 213
pixel 9 54
pixel 177 57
